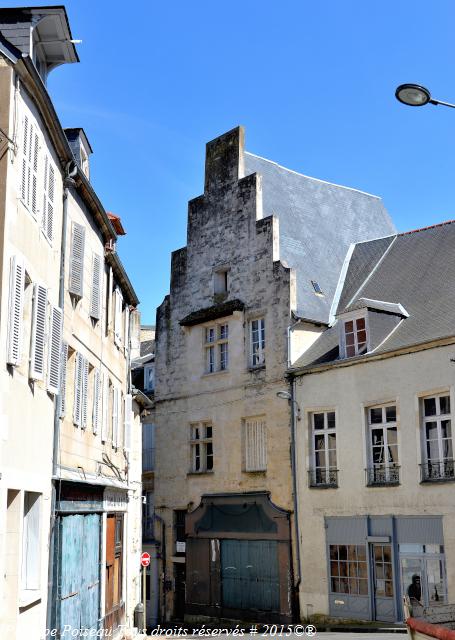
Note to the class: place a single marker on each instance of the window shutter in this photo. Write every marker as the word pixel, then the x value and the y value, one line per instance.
pixel 77 260
pixel 115 416
pixel 34 150
pixel 105 417
pixel 117 316
pixel 77 409
pixel 84 392
pixel 126 332
pixel 15 313
pixel 54 350
pixel 128 421
pixel 95 301
pixel 38 338
pixel 24 189
pixel 63 365
pixel 47 219
pixel 96 400
pixel 256 445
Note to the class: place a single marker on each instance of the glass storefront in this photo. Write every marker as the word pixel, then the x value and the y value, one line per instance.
pixel 422 570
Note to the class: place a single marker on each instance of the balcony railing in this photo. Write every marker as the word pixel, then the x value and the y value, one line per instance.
pixel 382 475
pixel 437 471
pixel 322 478
pixel 148 460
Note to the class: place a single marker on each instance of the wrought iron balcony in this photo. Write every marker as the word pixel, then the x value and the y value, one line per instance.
pixel 437 471
pixel 322 478
pixel 382 475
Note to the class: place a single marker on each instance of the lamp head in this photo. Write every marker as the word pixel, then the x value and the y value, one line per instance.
pixel 413 95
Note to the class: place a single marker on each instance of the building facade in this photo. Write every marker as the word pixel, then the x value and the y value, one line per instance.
pixel 375 464
pixel 70 452
pixel 251 290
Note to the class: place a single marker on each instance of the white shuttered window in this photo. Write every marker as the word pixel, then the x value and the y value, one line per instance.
pixel 96 400
pixel 54 349
pixel 47 217
pixel 255 444
pixel 118 301
pixel 116 416
pixel 63 366
pixel 15 311
pixel 38 336
pixel 95 295
pixel 105 414
pixel 29 173
pixel 80 391
pixel 77 260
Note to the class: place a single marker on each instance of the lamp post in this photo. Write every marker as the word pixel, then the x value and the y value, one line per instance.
pixel 414 95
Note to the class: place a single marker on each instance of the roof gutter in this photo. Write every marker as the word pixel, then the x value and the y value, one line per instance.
pixel 121 276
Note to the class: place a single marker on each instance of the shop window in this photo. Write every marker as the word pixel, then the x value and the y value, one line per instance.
pixel 348 569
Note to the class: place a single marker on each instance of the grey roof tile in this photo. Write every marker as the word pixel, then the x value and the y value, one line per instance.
pixel 318 222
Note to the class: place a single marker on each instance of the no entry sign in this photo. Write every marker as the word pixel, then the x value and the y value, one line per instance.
pixel 145 559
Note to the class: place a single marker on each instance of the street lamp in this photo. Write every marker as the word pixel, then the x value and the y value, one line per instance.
pixel 415 95
pixel 287 396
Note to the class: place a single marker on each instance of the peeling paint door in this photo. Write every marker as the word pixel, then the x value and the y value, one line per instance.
pixel 249 575
pixel 79 574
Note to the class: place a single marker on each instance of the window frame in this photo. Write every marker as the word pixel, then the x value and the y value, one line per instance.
pixel 214 361
pixel 386 472
pixel 262 343
pixel 442 462
pixel 199 447
pixel 354 317
pixel 328 472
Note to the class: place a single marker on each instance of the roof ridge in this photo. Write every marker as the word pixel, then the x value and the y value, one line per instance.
pixel 340 186
pixel 432 226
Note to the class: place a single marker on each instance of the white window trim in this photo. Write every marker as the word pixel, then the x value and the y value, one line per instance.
pixel 437 418
pixel 326 431
pixel 262 349
pixel 384 425
pixel 348 317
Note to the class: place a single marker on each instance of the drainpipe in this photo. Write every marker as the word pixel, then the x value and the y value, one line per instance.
pixel 293 402
pixel 68 181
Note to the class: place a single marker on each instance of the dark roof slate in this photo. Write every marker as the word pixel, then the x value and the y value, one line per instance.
pixel 418 272
pixel 318 222
pixel 147 347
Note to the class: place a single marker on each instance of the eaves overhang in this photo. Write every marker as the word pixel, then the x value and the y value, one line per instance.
pixel 113 260
pixel 212 313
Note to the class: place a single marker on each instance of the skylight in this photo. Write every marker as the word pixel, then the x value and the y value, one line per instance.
pixel 317 288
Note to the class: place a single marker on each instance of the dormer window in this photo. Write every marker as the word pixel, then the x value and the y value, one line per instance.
pixel 355 337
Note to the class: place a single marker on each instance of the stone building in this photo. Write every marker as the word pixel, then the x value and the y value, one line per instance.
pixel 375 463
pixel 250 291
pixel 70 444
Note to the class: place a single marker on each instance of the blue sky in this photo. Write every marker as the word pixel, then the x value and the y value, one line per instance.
pixel 312 82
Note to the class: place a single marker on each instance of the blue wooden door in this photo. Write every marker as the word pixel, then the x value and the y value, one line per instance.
pixel 249 574
pixel 78 599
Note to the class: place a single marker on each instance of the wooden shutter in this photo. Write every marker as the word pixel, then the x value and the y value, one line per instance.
pixel 105 418
pixel 77 408
pixel 84 392
pixel 255 445
pixel 55 349
pixel 128 421
pixel 38 338
pixel 126 332
pixel 96 400
pixel 63 365
pixel 34 150
pixel 77 260
pixel 25 176
pixel 47 218
pixel 95 300
pixel 117 316
pixel 115 417
pixel 15 312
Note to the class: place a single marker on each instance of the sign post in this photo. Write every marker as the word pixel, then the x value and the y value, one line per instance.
pixel 145 561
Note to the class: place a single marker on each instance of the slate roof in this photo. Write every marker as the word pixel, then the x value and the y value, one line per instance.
pixel 318 221
pixel 147 347
pixel 416 270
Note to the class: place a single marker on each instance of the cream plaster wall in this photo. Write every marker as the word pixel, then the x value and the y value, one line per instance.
pixel 349 391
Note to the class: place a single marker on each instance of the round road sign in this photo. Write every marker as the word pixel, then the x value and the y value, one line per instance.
pixel 145 559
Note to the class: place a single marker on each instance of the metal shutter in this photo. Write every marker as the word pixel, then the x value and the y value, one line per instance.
pixel 55 349
pixel 77 260
pixel 15 312
pixel 95 300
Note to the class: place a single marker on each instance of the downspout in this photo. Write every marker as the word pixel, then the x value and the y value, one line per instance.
pixel 68 181
pixel 293 402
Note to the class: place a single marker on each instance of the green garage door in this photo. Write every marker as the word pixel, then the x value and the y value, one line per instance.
pixel 249 574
